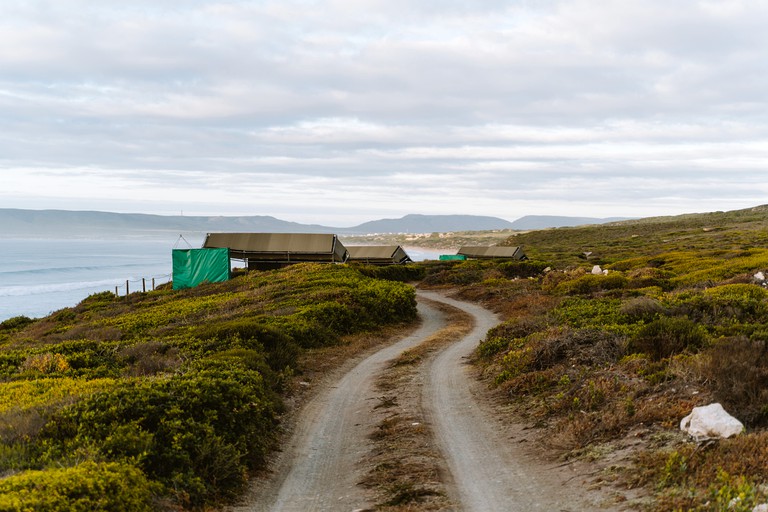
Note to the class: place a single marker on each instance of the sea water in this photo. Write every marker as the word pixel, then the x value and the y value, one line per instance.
pixel 41 276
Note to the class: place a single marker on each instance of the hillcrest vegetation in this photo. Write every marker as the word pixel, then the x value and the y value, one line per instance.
pixel 169 400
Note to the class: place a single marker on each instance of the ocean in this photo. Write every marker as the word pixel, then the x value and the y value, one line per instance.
pixel 40 276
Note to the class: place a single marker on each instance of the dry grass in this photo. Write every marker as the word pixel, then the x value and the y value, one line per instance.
pixel 407 472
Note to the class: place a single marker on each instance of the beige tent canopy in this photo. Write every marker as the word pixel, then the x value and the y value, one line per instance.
pixel 378 254
pixel 273 250
pixel 477 252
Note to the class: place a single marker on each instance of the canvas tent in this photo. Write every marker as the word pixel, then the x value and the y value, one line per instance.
pixel 194 266
pixel 378 254
pixel 495 252
pixel 262 251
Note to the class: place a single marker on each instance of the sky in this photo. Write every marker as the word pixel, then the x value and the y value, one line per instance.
pixel 342 111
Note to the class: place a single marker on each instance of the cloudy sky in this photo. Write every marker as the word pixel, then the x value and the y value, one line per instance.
pixel 343 111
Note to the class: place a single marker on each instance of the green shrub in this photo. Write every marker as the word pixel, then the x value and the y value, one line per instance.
pixel 15 324
pixel 738 370
pixel 88 487
pixel 590 283
pixel 722 305
pixel 499 338
pixel 522 269
pixel 642 309
pixel 668 336
pixel 198 432
pixel 403 273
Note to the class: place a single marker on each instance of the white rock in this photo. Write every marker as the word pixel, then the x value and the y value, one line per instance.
pixel 759 277
pixel 597 270
pixel 710 422
pixel 761 508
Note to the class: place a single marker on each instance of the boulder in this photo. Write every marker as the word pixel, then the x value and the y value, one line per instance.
pixel 596 270
pixel 710 422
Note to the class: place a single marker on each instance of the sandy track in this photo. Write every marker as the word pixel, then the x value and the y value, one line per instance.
pixel 321 465
pixel 489 470
pixel 325 458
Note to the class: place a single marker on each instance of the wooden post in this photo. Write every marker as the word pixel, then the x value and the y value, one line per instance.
pixel 126 287
pixel 116 294
pixel 143 285
pixel 153 284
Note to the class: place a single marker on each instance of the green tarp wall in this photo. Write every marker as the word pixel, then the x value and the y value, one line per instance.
pixel 194 266
pixel 452 257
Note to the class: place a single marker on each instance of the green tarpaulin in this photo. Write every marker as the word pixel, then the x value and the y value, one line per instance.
pixel 194 266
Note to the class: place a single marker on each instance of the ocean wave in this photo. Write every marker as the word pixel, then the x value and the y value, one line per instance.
pixel 41 289
pixel 68 270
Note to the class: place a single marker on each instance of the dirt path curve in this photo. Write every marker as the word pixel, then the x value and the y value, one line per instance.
pixel 325 457
pixel 321 466
pixel 489 470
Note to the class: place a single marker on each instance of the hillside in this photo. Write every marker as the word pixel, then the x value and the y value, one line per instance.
pixel 553 221
pixel 604 366
pixel 606 243
pixel 171 399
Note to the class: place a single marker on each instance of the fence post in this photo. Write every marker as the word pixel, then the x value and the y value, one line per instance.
pixel 126 287
pixel 143 285
pixel 153 284
pixel 116 294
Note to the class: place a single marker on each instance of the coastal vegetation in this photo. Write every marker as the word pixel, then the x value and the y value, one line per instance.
pixel 168 399
pixel 611 334
pixel 606 365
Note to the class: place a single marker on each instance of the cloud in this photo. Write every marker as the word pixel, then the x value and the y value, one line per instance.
pixel 386 107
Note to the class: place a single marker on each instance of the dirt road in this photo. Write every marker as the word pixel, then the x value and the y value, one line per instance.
pixel 490 471
pixel 325 458
pixel 323 461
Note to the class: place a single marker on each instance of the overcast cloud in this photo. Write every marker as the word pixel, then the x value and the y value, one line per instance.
pixel 343 111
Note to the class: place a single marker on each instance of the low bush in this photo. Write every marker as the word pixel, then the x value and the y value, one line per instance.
pixel 88 487
pixel 738 370
pixel 16 323
pixel 522 269
pixel 197 433
pixel 403 273
pixel 643 309
pixel 668 336
pixel 590 283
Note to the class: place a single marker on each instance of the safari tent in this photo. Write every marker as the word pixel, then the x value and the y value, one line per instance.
pixel 378 254
pixel 263 251
pixel 494 252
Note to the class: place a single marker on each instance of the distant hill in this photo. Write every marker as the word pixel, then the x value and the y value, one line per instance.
pixel 430 224
pixel 65 223
pixel 18 223
pixel 552 221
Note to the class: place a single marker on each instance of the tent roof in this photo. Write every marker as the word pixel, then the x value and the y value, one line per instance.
pixel 273 242
pixel 372 251
pixel 378 253
pixel 491 252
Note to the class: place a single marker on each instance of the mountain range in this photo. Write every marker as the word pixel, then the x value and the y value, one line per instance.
pixel 18 223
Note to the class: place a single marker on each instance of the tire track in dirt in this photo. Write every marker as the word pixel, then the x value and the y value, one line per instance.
pixel 489 471
pixel 320 467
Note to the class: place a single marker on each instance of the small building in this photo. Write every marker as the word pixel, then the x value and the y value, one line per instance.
pixel 378 254
pixel 493 252
pixel 265 251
